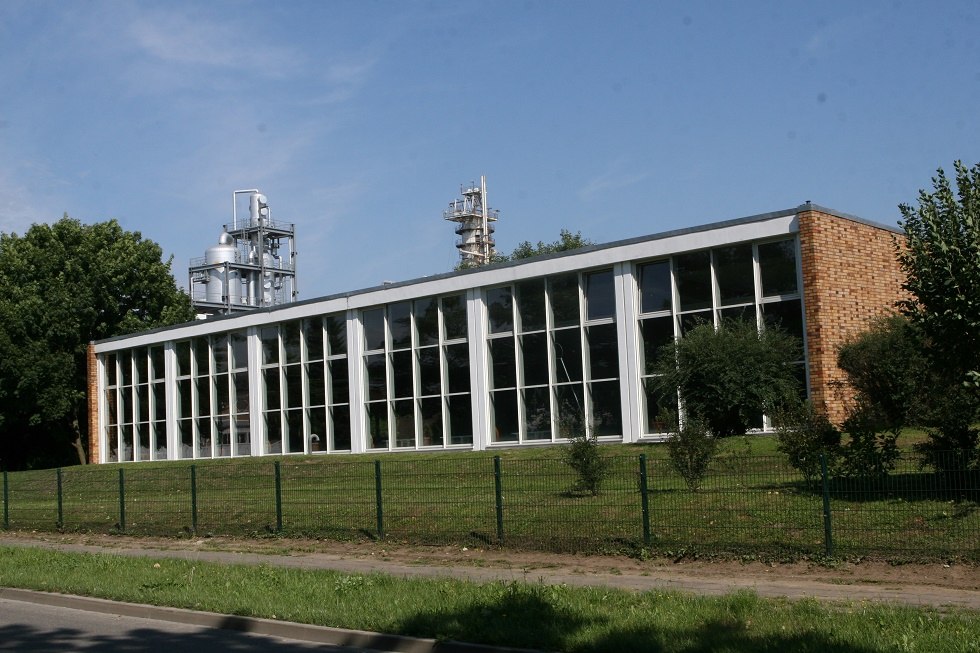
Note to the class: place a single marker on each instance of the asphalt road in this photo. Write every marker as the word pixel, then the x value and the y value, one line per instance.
pixel 27 626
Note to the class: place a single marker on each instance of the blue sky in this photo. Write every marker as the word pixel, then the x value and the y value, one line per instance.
pixel 359 120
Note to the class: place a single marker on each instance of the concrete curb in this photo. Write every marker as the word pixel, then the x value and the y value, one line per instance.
pixel 270 627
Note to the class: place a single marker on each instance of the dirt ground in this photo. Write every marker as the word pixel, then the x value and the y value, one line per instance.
pixel 936 584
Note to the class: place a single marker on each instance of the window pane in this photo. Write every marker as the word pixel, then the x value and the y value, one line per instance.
pixel 458 368
pixel 339 384
pixel 183 358
pixel 126 367
pixel 186 435
pixel 694 320
pixel 563 294
pixel 400 324
pixel 143 403
pixel 204 437
pixel 141 363
pixel 656 407
pixel 294 386
pixel 534 349
pixel 500 310
pixel 431 411
pixel 184 394
pixel 110 369
pixel 429 381
pixel 503 363
pixel 241 392
pixel 318 429
pixel 158 370
pixel 504 416
pixel 337 334
pixel 401 373
pixel 219 349
pixel 222 396
pixel 777 267
pixel 273 432
pixel 537 413
pixel 313 334
pixel 693 273
pixel 460 420
pixel 294 427
pixel 239 351
pixel 657 332
pixel 427 321
pixel 270 345
pixel 530 304
pixel 786 315
pixel 243 435
pixel 607 416
pixel 373 322
pixel 568 355
pixel 159 403
pixel 222 435
pixel 377 385
pixel 377 416
pixel 404 423
pixel 202 356
pixel 203 386
pixel 600 295
pixel 341 427
pixel 603 352
pixel 272 398
pixel 317 383
pixel 738 313
pixel 654 279
pixel 733 270
pixel 454 317
pixel 571 410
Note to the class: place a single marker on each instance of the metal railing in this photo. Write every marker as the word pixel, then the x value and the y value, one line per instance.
pixel 745 506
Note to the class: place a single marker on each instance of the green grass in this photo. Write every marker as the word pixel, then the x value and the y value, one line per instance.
pixel 519 614
pixel 752 503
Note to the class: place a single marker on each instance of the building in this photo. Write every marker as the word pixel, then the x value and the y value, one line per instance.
pixel 502 355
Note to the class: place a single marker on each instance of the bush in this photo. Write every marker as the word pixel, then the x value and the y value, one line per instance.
pixel 872 449
pixel 802 435
pixel 690 451
pixel 582 455
pixel 730 376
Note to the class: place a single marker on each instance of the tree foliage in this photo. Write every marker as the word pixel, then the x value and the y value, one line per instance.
pixel 941 259
pixel 566 241
pixel 62 286
pixel 731 375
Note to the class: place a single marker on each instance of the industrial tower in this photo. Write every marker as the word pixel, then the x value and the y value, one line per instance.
pixel 474 221
pixel 252 266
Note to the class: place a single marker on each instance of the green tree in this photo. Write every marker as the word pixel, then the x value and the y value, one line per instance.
pixel 566 241
pixel 941 259
pixel 62 286
pixel 731 375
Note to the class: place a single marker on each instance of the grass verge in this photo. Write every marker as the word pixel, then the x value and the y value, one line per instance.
pixel 520 614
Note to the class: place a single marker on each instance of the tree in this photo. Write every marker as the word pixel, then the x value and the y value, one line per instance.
pixel 62 286
pixel 566 241
pixel 731 375
pixel 941 258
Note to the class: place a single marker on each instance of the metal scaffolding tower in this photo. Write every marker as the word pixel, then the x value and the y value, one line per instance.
pixel 474 220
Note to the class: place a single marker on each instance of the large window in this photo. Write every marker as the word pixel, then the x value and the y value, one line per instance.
pixel 751 281
pixel 304 372
pixel 554 357
pixel 416 371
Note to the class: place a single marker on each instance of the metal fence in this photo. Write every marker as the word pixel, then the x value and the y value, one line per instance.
pixel 745 505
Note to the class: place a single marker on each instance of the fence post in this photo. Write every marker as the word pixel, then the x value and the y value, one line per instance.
pixel 194 499
pixel 278 496
pixel 377 499
pixel 122 500
pixel 644 499
pixel 61 507
pixel 499 498
pixel 828 533
pixel 6 502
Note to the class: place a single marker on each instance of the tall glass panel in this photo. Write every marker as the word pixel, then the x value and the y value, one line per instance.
pixel 655 287
pixel 500 310
pixel 693 275
pixel 563 295
pixel 777 267
pixel 600 295
pixel 530 304
pixel 733 270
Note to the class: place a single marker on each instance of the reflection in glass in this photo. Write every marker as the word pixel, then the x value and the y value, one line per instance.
pixel 600 295
pixel 460 420
pixel 373 321
pixel 337 334
pixel 568 355
pixel 401 373
pixel 377 417
pixel 693 274
pixel 534 352
pixel 657 332
pixel 457 368
pixel 269 336
pixel 607 415
pixel 377 386
pixel 400 324
pixel 733 270
pixel 563 295
pixel 313 334
pixel 427 321
pixel 430 410
pixel 503 365
pixel 404 411
pixel 429 381
pixel 500 310
pixel 787 315
pixel 340 416
pixel 530 304
pixel 603 351
pixel 454 317
pixel 777 268
pixel 537 413
pixel 505 425
pixel 291 341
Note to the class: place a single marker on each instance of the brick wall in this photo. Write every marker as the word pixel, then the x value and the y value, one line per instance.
pixel 850 276
pixel 93 406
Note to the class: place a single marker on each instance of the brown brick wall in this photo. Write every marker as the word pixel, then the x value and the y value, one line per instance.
pixel 93 406
pixel 850 276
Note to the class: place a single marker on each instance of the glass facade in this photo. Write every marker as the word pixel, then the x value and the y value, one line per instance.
pixel 554 357
pixel 526 359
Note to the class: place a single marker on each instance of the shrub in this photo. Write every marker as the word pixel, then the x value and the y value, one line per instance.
pixel 690 451
pixel 802 435
pixel 731 375
pixel 582 455
pixel 871 449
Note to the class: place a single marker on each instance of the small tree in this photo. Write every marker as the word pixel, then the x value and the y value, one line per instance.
pixel 691 450
pixel 802 435
pixel 731 375
pixel 583 455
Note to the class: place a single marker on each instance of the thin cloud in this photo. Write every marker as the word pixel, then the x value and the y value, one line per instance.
pixel 610 181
